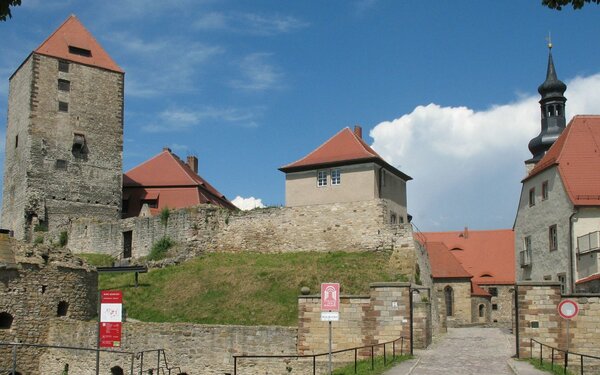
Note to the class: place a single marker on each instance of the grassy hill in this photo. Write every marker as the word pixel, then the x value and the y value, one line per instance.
pixel 245 288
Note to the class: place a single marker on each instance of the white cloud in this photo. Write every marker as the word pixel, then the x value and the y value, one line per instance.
pixel 181 118
pixel 258 74
pixel 249 23
pixel 465 162
pixel 247 203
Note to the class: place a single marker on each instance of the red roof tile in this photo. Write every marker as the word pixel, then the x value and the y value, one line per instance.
pixel 577 154
pixel 178 185
pixel 487 255
pixel 476 290
pixel 588 279
pixel 346 147
pixel 443 264
pixel 73 34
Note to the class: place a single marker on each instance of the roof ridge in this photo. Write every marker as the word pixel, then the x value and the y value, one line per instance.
pixel 55 31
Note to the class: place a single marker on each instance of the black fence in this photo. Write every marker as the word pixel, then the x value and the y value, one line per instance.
pixel 371 348
pixel 558 357
pixel 156 359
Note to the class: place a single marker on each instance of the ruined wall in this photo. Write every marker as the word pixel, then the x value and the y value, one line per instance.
pixel 356 226
pixel 195 348
pixel 539 319
pixel 41 286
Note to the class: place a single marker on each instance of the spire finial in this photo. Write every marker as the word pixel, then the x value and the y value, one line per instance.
pixel 549 40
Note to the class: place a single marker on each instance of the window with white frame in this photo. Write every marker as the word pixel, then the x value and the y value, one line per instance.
pixel 321 178
pixel 336 176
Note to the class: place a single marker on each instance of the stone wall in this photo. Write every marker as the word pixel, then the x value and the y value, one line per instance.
pixel 461 307
pixel 42 285
pixel 539 320
pixel 195 348
pixel 382 316
pixel 355 226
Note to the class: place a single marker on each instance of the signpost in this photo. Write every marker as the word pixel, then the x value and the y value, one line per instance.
pixel 330 307
pixel 109 321
pixel 568 309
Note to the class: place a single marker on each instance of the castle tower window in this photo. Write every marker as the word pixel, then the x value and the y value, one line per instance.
pixel 63 308
pixel 60 164
pixel 116 371
pixel 5 320
pixel 63 66
pixel 64 85
pixel 16 141
pixel 63 106
pixel 80 51
pixel 78 143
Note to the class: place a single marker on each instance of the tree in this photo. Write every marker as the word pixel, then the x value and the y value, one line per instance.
pixel 558 4
pixel 5 8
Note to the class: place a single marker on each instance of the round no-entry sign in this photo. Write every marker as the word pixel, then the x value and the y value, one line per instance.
pixel 568 309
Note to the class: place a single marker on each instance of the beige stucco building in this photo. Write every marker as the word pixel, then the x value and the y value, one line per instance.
pixel 346 169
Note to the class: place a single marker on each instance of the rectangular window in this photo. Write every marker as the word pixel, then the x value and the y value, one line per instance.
pixel 80 51
pixel 336 176
pixel 60 164
pixel 63 107
pixel 544 190
pixel 562 279
pixel 393 219
pixel 494 306
pixel 64 85
pixel 493 292
pixel 526 252
pixel 532 197
pixel 321 178
pixel 552 238
pixel 63 66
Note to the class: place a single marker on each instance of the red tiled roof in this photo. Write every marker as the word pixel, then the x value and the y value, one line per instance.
pixel 443 264
pixel 588 279
pixel 577 154
pixel 476 290
pixel 487 255
pixel 178 185
pixel 343 148
pixel 73 33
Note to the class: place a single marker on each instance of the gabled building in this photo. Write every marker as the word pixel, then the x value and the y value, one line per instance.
pixel 166 181
pixel 473 274
pixel 64 135
pixel 346 169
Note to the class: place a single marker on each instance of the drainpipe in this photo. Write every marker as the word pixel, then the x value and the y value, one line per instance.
pixel 571 273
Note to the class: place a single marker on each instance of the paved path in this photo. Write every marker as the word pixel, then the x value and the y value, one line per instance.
pixel 467 351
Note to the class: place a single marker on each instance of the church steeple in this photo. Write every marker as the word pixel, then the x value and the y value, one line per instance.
pixel 552 105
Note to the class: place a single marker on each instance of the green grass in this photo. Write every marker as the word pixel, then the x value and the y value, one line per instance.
pixel 244 288
pixel 159 248
pixel 98 260
pixel 364 366
pixel 547 367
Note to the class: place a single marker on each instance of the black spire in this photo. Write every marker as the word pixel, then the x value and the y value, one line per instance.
pixel 552 105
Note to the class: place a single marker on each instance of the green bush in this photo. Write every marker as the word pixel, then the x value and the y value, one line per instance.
pixel 164 216
pixel 41 227
pixel 159 248
pixel 63 239
pixel 98 260
pixel 39 240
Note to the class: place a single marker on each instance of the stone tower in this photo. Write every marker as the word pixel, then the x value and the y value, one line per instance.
pixel 552 105
pixel 64 137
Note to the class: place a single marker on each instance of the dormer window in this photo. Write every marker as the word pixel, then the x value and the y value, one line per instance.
pixel 80 51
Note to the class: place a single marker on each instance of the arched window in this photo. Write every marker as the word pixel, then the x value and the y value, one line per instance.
pixel 449 298
pixel 116 371
pixel 5 320
pixel 482 310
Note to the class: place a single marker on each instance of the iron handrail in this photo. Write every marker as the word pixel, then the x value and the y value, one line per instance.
pixel 566 361
pixel 314 356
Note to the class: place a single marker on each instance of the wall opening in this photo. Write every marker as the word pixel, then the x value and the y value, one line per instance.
pixel 127 240
pixel 449 299
pixel 116 371
pixel 6 320
pixel 482 310
pixel 63 308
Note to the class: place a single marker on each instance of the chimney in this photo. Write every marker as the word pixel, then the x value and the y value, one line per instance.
pixel 466 233
pixel 358 131
pixel 192 162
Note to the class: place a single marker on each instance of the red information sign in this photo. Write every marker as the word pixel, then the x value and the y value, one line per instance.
pixel 330 297
pixel 568 309
pixel 111 312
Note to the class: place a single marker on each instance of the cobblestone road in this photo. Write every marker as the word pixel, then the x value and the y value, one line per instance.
pixel 464 351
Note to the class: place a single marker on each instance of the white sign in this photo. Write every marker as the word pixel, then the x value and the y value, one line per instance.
pixel 111 312
pixel 330 316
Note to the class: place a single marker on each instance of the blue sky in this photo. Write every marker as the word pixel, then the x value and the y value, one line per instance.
pixel 444 90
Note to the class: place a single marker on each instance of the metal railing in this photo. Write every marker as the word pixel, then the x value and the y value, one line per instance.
pixel 162 366
pixel 564 360
pixel 314 356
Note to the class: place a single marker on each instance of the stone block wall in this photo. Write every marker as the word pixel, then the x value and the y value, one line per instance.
pixel 461 307
pixel 36 290
pixel 422 324
pixel 539 319
pixel 195 348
